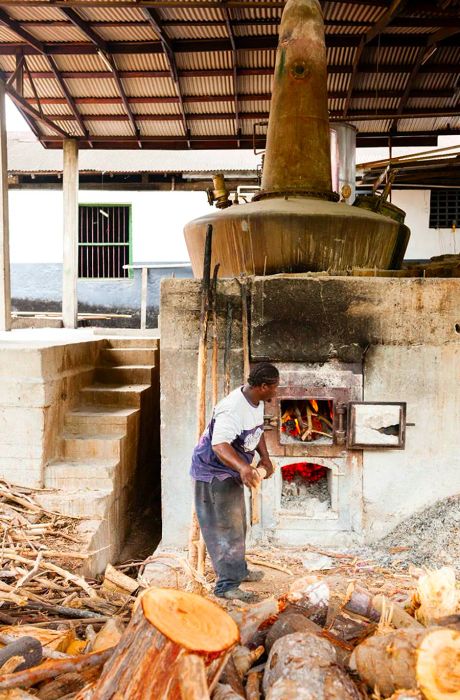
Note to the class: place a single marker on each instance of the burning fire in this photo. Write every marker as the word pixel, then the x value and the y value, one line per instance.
pixel 305 470
pixel 308 420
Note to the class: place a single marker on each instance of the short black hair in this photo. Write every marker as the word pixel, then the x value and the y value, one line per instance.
pixel 263 373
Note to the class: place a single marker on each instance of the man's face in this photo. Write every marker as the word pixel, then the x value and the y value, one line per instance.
pixel 268 391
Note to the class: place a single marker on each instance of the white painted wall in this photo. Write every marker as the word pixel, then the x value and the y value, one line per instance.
pixel 158 219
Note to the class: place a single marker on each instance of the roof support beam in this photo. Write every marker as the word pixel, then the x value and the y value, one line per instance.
pixel 394 9
pixel 423 55
pixel 231 36
pixel 24 106
pixel 156 24
pixel 103 51
pixel 69 98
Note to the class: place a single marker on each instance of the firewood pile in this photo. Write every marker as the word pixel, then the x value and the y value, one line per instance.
pixel 325 639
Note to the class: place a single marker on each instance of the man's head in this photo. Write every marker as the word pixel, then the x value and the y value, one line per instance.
pixel 263 380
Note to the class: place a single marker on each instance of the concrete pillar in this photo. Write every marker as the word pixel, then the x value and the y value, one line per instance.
pixel 70 258
pixel 5 288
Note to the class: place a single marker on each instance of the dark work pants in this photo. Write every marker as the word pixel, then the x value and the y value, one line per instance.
pixel 221 512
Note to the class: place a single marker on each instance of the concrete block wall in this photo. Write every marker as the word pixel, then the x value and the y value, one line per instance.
pixel 38 385
pixel 406 334
pixel 179 332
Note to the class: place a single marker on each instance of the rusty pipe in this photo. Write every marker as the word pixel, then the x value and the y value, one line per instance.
pixel 297 158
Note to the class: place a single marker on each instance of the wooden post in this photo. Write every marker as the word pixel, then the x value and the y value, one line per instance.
pixel 144 286
pixel 197 549
pixel 5 289
pixel 70 257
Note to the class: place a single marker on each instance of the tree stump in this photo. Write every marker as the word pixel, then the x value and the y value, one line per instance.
pixel 166 626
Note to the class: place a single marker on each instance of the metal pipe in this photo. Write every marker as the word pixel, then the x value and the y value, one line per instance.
pixel 297 159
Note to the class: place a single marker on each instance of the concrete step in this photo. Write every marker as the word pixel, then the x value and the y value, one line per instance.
pixel 93 474
pixel 82 503
pixel 83 447
pixel 100 420
pixel 125 374
pixel 114 395
pixel 128 356
pixel 140 343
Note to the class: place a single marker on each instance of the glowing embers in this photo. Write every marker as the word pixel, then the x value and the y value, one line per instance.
pixel 306 489
pixel 307 420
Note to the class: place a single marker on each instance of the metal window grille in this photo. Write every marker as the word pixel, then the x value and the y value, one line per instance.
pixel 104 241
pixel 444 208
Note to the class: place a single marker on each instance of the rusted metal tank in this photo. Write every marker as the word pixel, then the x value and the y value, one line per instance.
pixel 295 223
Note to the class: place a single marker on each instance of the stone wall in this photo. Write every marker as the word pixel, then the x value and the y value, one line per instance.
pixel 38 384
pixel 406 334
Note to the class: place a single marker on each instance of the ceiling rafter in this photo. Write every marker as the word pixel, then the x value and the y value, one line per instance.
pixel 103 50
pixel 155 22
pixel 231 36
pixel 25 107
pixel 15 26
pixel 17 81
pixel 266 96
pixel 423 55
pixel 395 8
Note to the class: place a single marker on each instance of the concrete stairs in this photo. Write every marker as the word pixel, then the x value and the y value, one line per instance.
pixel 98 448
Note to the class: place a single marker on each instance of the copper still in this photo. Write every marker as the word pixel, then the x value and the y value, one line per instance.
pixel 296 223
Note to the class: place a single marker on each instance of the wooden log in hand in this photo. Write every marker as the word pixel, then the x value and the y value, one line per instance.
pixel 166 626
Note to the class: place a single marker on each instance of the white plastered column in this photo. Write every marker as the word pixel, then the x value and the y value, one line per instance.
pixel 5 286
pixel 70 256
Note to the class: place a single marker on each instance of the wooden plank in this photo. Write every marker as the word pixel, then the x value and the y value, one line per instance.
pixel 70 257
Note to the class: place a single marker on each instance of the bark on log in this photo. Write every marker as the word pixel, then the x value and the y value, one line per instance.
pixel 225 692
pixel 258 617
pixel 253 685
pixel 165 626
pixel 310 596
pixel 288 623
pixel 361 602
pixel 426 659
pixel 52 669
pixel 193 680
pixel 304 666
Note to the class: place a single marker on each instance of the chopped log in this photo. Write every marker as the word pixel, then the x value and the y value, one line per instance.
pixel 166 625
pixel 193 680
pixel 310 596
pixel 16 694
pixel 63 685
pixel 452 621
pixel 412 659
pixel 304 666
pixel 52 669
pixel 23 653
pixel 350 629
pixel 231 677
pixel 259 616
pixel 225 692
pixel 50 639
pixel 436 595
pixel 117 581
pixel 253 685
pixel 407 695
pixel 109 635
pixel 288 623
pixel 361 602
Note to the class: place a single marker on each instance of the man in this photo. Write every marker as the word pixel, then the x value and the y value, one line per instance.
pixel 221 465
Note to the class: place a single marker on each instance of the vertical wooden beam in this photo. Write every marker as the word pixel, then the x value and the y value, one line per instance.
pixel 70 258
pixel 5 288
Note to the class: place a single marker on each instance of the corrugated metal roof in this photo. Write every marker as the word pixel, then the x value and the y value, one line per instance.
pixel 210 72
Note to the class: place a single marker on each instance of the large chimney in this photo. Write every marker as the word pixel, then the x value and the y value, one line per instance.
pixel 297 159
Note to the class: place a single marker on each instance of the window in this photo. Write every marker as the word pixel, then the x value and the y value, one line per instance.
pixel 444 208
pixel 104 241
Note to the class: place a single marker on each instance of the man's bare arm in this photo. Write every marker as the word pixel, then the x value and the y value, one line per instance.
pixel 230 457
pixel 265 460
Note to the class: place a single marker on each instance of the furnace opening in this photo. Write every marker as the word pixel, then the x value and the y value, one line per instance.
pixel 306 489
pixel 307 420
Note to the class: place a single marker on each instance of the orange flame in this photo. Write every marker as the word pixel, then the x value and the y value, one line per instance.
pixel 314 405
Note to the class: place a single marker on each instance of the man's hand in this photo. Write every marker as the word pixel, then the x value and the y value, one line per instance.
pixel 267 464
pixel 249 476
